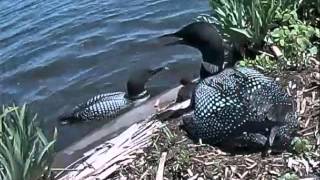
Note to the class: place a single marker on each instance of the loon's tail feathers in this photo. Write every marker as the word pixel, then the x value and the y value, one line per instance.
pixel 280 112
pixel 285 134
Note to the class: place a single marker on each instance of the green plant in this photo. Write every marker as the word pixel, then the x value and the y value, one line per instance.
pixel 183 159
pixel 286 17
pixel 248 20
pixel 295 38
pixel 262 62
pixel 257 23
pixel 289 176
pixel 25 153
pixel 169 136
pixel 300 145
pixel 295 42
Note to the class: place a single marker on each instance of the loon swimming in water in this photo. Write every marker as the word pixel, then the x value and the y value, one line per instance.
pixel 234 105
pixel 110 105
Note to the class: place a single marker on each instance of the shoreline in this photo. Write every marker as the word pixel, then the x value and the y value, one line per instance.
pixel 138 114
pixel 167 152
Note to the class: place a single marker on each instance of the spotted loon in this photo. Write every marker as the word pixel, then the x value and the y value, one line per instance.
pixel 234 105
pixel 110 105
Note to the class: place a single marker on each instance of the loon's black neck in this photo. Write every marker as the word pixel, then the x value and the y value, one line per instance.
pixel 212 62
pixel 137 81
pixel 137 96
pixel 207 70
pixel 136 90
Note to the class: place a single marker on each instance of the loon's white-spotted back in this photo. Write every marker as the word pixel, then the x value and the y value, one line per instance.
pixel 234 105
pixel 109 105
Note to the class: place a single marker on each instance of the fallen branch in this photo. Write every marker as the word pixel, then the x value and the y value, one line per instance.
pixel 160 171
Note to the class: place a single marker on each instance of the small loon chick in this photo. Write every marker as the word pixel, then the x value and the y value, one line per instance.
pixel 234 105
pixel 185 92
pixel 110 105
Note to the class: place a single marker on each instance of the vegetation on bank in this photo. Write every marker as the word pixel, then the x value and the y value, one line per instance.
pixel 259 25
pixel 25 152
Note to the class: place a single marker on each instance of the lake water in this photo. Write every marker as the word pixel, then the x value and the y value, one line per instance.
pixel 55 54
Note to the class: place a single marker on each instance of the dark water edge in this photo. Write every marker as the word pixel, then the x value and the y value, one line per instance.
pixel 55 54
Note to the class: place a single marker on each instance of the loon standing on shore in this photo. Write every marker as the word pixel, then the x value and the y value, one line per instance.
pixel 185 92
pixel 234 105
pixel 110 105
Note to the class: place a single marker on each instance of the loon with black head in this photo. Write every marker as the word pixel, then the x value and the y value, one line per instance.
pixel 234 105
pixel 110 105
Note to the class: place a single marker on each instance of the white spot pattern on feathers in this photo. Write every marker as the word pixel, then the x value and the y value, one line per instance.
pixel 224 103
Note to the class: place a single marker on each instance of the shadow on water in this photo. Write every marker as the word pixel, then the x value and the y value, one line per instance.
pixel 55 54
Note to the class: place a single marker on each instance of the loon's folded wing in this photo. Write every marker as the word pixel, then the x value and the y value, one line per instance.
pixel 229 104
pixel 272 106
pixel 266 96
pixel 219 109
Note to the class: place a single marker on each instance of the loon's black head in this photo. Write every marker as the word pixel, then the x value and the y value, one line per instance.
pixel 206 38
pixel 68 118
pixel 137 81
pixel 185 81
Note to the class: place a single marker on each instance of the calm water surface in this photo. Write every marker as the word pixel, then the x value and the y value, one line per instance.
pixel 55 54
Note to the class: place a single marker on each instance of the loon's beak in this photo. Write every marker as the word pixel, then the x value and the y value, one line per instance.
pixel 172 39
pixel 159 69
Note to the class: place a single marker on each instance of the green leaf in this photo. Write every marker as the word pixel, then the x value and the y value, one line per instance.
pixel 276 32
pixel 317 32
pixel 27 165
pixel 289 176
pixel 243 32
pixel 24 150
pixel 10 166
pixel 286 32
pixel 242 63
pixel 45 150
pixel 8 171
pixel 313 50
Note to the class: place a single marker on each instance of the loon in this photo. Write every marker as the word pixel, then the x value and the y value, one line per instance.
pixel 110 105
pixel 232 105
pixel 185 92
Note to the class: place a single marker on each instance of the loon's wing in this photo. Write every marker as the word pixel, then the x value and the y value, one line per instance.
pixel 271 104
pixel 265 95
pixel 103 106
pixel 219 108
pixel 225 108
